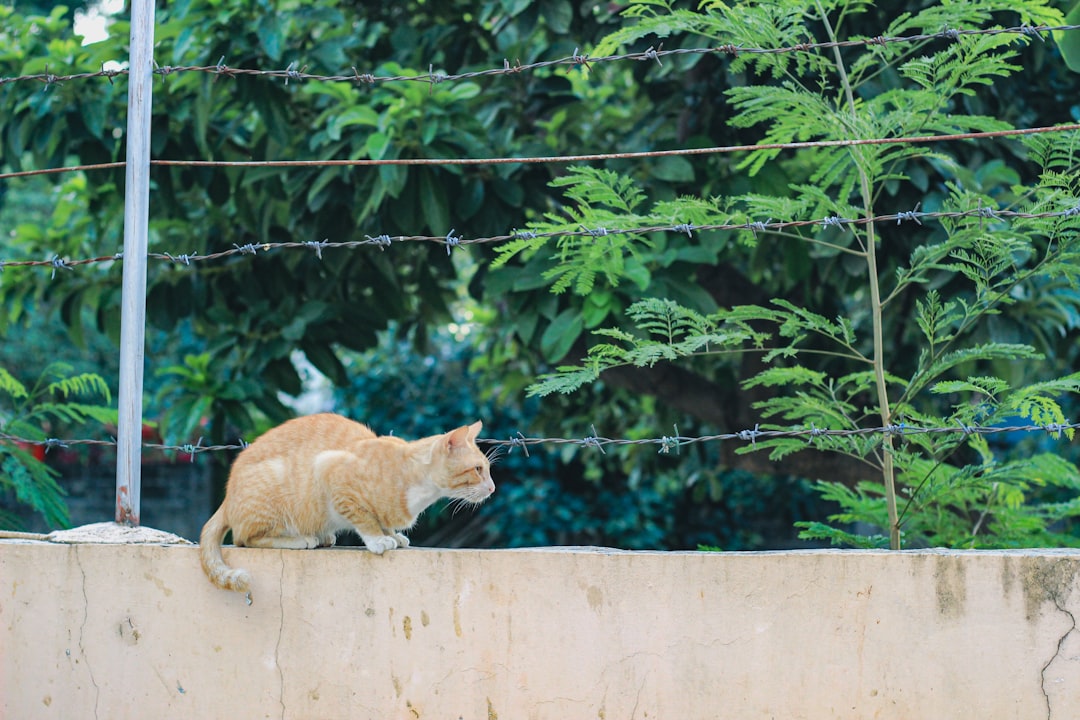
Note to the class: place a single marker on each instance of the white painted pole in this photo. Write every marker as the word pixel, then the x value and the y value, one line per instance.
pixel 136 229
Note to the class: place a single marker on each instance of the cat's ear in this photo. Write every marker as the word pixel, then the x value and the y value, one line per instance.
pixel 463 435
pixel 456 439
pixel 475 428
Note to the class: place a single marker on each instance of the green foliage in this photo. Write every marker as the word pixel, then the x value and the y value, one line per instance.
pixel 604 199
pixel 978 505
pixel 665 331
pixel 249 315
pixel 828 374
pixel 971 313
pixel 188 393
pixel 48 407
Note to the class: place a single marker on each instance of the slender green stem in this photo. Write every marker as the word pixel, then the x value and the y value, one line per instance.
pixel 853 355
pixel 986 511
pixel 833 246
pixel 887 469
pixel 815 241
pixel 926 478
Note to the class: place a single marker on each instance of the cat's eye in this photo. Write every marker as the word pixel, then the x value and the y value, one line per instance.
pixel 479 469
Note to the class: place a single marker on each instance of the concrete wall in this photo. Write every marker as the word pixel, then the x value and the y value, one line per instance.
pixel 137 632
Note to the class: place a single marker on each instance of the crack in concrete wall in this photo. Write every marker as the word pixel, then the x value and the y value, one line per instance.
pixel 82 629
pixel 281 634
pixel 1057 654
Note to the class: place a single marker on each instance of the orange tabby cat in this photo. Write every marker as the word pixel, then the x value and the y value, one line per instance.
pixel 308 479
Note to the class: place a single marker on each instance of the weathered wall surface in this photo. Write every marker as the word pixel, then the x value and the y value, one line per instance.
pixel 136 632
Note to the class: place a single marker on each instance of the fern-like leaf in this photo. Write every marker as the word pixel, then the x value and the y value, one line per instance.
pixel 34 484
pixel 10 386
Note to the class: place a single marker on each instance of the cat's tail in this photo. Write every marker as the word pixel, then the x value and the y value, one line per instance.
pixel 213 564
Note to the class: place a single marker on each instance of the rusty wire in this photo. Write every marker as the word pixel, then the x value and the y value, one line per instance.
pixel 594 157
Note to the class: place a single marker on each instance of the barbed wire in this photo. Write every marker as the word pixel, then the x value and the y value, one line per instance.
pixel 451 240
pixel 592 157
pixel 294 72
pixel 665 443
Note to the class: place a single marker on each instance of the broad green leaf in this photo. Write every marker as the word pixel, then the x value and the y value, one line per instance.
pixel 433 202
pixel 269 31
pixel 356 115
pixel 376 145
pixel 326 361
pixel 1068 41
pixel 558 14
pixel 561 335
pixel 673 168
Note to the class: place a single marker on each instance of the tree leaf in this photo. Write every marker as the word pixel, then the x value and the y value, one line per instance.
pixel 356 115
pixel 269 31
pixel 673 168
pixel 558 14
pixel 1068 41
pixel 561 334
pixel 433 202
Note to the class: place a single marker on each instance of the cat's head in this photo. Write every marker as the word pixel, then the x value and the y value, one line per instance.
pixel 466 472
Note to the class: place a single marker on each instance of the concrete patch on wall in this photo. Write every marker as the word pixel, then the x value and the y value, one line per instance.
pixel 137 631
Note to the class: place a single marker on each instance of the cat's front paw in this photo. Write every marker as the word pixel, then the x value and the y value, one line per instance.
pixel 380 543
pixel 402 541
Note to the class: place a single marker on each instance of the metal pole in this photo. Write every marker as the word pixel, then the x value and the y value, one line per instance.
pixel 136 228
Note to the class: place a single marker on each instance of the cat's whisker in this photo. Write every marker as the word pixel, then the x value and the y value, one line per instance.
pixel 495 454
pixel 466 497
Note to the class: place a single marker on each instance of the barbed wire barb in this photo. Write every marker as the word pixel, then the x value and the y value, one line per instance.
pixel 652 54
pixel 667 443
pixel 190 450
pixel 518 441
pixel 1031 31
pixel 910 215
pixel 452 241
pixel 594 441
pixel 59 263
pixel 756 227
pixel 53 443
pixel 835 221
pixel 292 73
